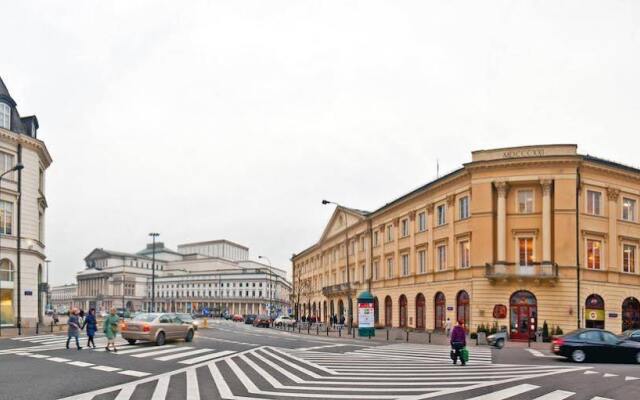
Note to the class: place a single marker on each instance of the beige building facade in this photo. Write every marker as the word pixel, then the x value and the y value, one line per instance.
pixel 517 237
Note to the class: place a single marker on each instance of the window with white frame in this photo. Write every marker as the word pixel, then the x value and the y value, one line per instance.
pixel 389 267
pixel 422 261
pixel 525 251
pixel 463 204
pixel 375 270
pixel 405 264
pixel 628 209
pixel 465 254
pixel 525 201
pixel 389 233
pixel 375 238
pixel 6 217
pixel 442 214
pixel 594 202
pixel 404 228
pixel 5 116
pixel 629 258
pixel 6 163
pixel 442 257
pixel 422 221
pixel 594 253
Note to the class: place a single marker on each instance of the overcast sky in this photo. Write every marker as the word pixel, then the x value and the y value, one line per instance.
pixel 205 120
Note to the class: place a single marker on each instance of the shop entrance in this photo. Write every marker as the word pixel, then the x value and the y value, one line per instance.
pixel 594 312
pixel 523 319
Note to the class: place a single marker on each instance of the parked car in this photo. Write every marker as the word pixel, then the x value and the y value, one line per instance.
pixel 156 327
pixel 498 339
pixel 249 319
pixel 237 318
pixel 227 316
pixel 262 320
pixel 284 321
pixel 188 319
pixel 596 345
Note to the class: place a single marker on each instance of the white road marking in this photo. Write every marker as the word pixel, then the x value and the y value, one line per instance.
pixel 138 374
pixel 590 372
pixel 38 356
pixel 600 398
pixel 320 347
pixel 206 357
pixel 535 352
pixel 81 364
pixel 163 351
pixel 556 395
pixel 193 392
pixel 106 368
pixel 607 375
pixel 144 348
pixel 630 378
pixel 506 393
pixel 160 392
pixel 125 393
pixel 58 359
pixel 183 355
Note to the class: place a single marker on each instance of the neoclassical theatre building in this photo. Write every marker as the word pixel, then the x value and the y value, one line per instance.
pixel 517 236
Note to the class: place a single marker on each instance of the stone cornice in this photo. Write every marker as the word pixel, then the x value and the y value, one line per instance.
pixel 28 141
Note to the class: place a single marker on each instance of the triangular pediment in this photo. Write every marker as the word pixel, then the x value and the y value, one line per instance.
pixel 337 223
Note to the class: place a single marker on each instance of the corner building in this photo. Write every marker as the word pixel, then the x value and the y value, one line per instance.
pixel 517 236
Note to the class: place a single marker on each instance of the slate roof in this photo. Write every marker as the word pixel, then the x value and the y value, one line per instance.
pixel 18 124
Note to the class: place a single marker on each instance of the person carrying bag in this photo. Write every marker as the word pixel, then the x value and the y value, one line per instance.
pixel 458 343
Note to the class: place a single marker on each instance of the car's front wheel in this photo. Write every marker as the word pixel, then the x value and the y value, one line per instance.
pixel 578 356
pixel 160 339
pixel 131 341
pixel 500 343
pixel 189 337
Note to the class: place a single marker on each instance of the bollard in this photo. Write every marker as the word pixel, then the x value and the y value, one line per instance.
pixel 308 328
pixel 19 328
pixel 299 328
pixel 387 334
pixel 51 326
pixel 369 335
pixel 529 341
pixel 429 337
pixel 37 328
pixel 327 331
pixel 407 336
pixel 353 333
pixel 339 331
pixel 317 330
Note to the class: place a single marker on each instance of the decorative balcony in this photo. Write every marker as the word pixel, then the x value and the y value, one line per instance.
pixel 512 271
pixel 339 289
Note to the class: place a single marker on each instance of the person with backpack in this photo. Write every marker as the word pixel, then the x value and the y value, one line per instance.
pixel 73 328
pixel 110 328
pixel 458 342
pixel 92 326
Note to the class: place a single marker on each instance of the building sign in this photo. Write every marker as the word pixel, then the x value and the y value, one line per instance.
pixel 524 152
pixel 499 311
pixel 450 308
pixel 613 315
pixel 365 315
pixel 518 153
pixel 28 292
pixel 594 314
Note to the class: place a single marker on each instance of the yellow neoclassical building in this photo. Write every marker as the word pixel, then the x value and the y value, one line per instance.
pixel 517 236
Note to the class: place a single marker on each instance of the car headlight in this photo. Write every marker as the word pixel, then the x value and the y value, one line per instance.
pixel 491 337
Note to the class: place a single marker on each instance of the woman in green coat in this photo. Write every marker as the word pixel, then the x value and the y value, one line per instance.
pixel 111 328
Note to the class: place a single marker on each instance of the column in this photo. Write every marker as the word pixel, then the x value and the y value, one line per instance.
pixel 430 250
pixel 546 220
pixel 412 243
pixel 502 189
pixel 451 209
pixel 613 194
pixel 396 250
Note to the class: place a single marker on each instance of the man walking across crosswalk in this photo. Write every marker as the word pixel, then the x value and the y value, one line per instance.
pixel 458 342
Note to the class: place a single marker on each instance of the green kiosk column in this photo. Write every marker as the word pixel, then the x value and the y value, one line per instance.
pixel 366 318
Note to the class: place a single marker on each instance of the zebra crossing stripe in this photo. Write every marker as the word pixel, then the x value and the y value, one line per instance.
pixel 137 374
pixel 26 338
pixel 163 351
pixel 206 357
pixel 506 393
pixel 193 392
pixel 556 395
pixel 183 355
pixel 125 393
pixel 140 349
pixel 160 392
pixel 81 364
pixel 105 368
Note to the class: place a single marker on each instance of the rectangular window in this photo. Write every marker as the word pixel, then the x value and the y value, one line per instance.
pixel 465 254
pixel 442 214
pixel 442 257
pixel 6 217
pixel 593 202
pixel 629 258
pixel 389 233
pixel 628 209
pixel 422 261
pixel 375 270
pixel 525 251
pixel 352 248
pixel 6 163
pixel 404 227
pixel 344 275
pixel 389 267
pixel 464 207
pixel 375 238
pixel 594 253
pixel 525 201
pixel 362 274
pixel 405 264
pixel 422 222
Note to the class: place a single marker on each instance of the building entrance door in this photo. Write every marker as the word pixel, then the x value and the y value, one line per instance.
pixel 523 315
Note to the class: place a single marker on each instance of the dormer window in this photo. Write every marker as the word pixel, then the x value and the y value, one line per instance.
pixel 33 129
pixel 5 116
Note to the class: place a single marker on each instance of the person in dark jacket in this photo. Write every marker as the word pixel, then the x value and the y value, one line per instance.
pixel 73 328
pixel 92 326
pixel 458 342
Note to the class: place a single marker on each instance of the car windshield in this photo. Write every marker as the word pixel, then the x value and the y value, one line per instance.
pixel 627 333
pixel 145 317
pixel 185 317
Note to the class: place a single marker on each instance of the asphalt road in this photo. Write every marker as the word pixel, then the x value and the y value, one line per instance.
pixel 237 361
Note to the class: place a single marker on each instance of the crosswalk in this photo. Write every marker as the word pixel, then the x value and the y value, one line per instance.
pixel 186 355
pixel 433 354
pixel 271 372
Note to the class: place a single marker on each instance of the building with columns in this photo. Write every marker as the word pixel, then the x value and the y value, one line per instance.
pixel 517 236
pixel 61 297
pixel 217 275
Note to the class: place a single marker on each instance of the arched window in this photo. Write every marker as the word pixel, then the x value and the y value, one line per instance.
pixel 403 311
pixel 523 315
pixel 388 311
pixel 462 308
pixel 630 313
pixel 5 116
pixel 594 312
pixel 440 303
pixel 6 270
pixel 420 311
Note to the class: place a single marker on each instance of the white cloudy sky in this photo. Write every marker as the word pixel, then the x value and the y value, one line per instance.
pixel 205 119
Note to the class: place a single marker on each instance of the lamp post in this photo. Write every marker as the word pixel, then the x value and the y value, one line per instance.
pixel 270 285
pixel 346 238
pixel 48 286
pixel 19 166
pixel 153 271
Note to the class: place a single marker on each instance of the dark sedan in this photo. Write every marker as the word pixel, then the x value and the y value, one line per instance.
pixel 631 334
pixel 262 320
pixel 249 319
pixel 596 345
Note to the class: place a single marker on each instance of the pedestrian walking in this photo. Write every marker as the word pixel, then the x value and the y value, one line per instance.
pixel 111 328
pixel 73 328
pixel 342 320
pixel 92 326
pixel 447 327
pixel 458 342
pixel 55 318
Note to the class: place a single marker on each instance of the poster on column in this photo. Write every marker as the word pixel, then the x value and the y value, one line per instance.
pixel 365 315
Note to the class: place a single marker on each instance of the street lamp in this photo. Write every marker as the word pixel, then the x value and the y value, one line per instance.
pixel 19 166
pixel 48 286
pixel 346 247
pixel 270 285
pixel 153 271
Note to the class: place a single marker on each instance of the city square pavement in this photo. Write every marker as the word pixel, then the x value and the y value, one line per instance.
pixel 237 361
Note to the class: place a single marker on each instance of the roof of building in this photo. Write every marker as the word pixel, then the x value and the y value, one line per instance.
pixel 159 248
pixel 109 253
pixel 18 124
pixel 212 242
